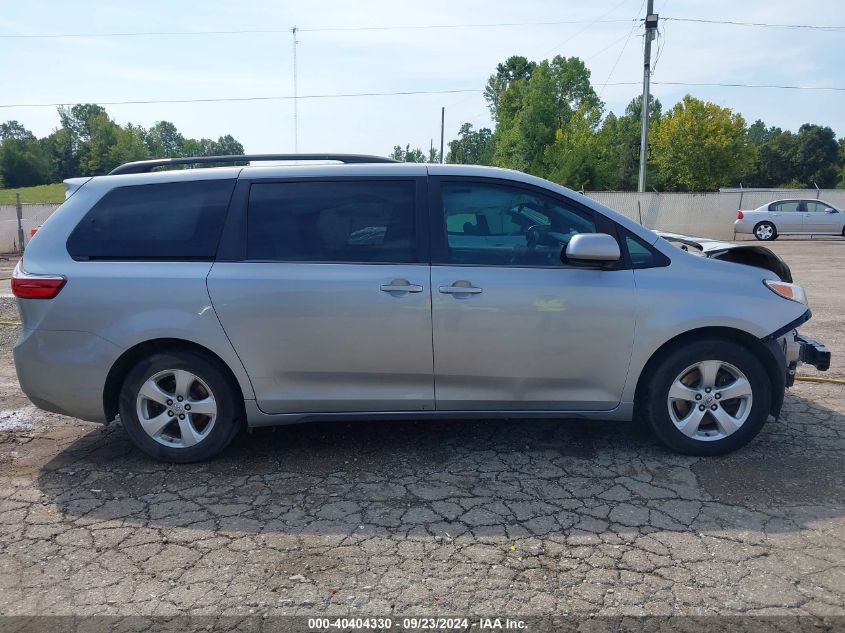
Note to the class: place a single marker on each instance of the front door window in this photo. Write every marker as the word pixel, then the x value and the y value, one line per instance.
pixel 491 224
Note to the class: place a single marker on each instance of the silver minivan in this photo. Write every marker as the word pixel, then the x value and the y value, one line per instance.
pixel 192 302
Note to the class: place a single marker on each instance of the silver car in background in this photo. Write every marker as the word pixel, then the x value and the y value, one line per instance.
pixel 192 302
pixel 791 217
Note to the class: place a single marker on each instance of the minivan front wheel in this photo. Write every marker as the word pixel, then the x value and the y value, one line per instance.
pixel 179 407
pixel 708 398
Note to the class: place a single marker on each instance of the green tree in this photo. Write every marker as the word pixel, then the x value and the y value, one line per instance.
pixel 199 147
pixel 472 147
pixel 23 162
pixel 759 134
pixel 571 159
pixel 128 146
pixel 101 135
pixel 14 130
pixel 557 96
pixel 841 183
pixel 81 118
pixel 61 149
pixel 91 135
pixel 618 147
pixel 88 142
pixel 163 140
pixel 700 146
pixel 228 146
pixel 513 68
pixel 775 163
pixel 407 155
pixel 816 156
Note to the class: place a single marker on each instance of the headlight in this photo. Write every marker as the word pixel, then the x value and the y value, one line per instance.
pixel 793 292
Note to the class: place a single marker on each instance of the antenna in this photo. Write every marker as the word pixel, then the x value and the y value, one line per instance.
pixel 295 98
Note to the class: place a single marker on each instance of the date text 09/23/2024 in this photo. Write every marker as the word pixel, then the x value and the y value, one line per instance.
pixel 411 624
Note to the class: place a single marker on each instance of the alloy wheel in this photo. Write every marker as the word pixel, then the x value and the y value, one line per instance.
pixel 765 231
pixel 710 400
pixel 176 408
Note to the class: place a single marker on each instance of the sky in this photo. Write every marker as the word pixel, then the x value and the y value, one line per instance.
pixel 606 34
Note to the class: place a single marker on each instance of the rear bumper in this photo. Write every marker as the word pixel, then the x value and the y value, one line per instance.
pixel 743 226
pixel 64 372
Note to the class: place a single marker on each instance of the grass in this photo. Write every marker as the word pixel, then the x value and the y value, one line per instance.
pixel 38 194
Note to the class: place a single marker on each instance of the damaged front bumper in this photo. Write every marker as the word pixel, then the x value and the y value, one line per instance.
pixel 813 353
pixel 798 348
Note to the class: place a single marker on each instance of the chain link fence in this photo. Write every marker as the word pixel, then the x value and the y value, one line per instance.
pixel 700 214
pixel 32 216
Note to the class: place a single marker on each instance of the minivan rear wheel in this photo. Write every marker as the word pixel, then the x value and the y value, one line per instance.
pixel 707 398
pixel 179 407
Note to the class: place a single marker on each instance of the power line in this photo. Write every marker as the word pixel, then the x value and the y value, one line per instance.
pixel 402 93
pixel 571 37
pixel 409 27
pixel 319 29
pixel 611 45
pixel 264 98
pixel 661 44
pixel 460 26
pixel 599 20
pixel 621 52
pixel 814 27
pixel 730 85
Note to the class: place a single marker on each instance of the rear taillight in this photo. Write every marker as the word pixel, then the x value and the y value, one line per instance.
pixel 28 286
pixel 739 215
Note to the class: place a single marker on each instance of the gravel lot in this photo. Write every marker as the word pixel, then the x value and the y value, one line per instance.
pixel 434 518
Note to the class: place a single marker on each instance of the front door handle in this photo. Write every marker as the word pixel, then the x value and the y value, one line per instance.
pixel 460 290
pixel 400 285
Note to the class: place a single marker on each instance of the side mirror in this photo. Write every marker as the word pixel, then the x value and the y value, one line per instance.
pixel 593 248
pixel 832 211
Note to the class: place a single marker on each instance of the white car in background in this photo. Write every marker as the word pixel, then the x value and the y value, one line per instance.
pixel 791 217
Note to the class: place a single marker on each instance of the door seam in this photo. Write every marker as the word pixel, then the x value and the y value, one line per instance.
pixel 431 316
pixel 226 334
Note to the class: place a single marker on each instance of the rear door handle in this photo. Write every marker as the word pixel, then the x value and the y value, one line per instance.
pixel 460 290
pixel 397 286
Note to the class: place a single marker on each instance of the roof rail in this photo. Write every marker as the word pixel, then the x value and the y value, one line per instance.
pixel 144 166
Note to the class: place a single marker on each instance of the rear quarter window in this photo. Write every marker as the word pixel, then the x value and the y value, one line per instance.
pixel 168 221
pixel 332 221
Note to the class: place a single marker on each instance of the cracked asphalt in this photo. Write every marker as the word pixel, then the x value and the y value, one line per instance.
pixel 510 517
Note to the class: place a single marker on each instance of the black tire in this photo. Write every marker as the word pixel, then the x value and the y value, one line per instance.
pixel 654 399
pixel 230 410
pixel 774 234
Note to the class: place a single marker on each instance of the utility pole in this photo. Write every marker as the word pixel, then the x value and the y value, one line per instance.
pixel 650 29
pixel 295 98
pixel 19 212
pixel 442 121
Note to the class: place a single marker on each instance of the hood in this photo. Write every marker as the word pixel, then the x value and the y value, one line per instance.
pixel 746 254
